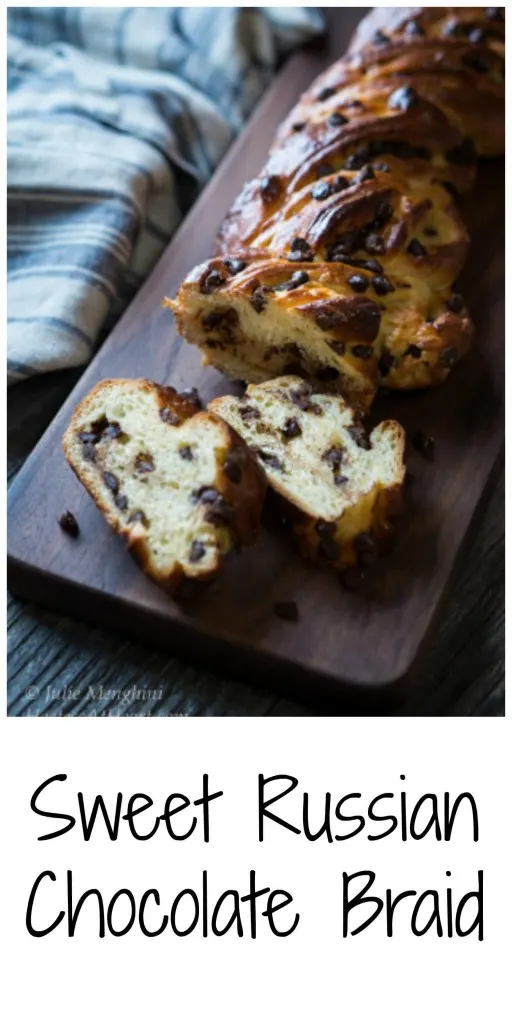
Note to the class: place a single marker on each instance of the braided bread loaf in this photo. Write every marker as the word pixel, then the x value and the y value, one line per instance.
pixel 338 261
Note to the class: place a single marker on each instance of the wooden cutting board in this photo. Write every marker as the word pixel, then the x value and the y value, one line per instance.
pixel 357 644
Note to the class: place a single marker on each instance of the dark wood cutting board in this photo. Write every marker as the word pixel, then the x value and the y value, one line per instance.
pixel 356 644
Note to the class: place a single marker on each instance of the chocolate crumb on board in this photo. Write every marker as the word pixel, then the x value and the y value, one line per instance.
pixel 197 551
pixel 287 611
pixel 424 444
pixel 68 524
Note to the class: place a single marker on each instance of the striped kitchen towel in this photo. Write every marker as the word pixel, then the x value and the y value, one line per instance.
pixel 116 119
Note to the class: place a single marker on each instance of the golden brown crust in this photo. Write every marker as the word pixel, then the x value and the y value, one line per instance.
pixel 239 482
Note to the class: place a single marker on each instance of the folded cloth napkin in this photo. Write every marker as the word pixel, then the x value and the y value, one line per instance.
pixel 116 119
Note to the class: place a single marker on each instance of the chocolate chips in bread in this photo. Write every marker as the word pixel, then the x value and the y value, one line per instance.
pixel 179 485
pixel 342 484
pixel 357 197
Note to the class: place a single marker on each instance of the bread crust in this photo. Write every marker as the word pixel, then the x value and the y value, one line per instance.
pixel 242 492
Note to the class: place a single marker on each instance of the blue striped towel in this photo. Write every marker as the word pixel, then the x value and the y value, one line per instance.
pixel 116 119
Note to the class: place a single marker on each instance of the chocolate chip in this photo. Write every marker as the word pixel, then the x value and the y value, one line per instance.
pixel 382 286
pixel 328 548
pixel 333 456
pixel 212 320
pixel 321 190
pixel 385 363
pixel 414 351
pixel 297 279
pixel 343 245
pixel 365 548
pixel 291 428
pixel 324 169
pixel 298 126
pixel 232 467
pixel 301 397
pixel 219 512
pixel 424 444
pixel 374 243
pixel 88 451
pixel 413 29
pixel 365 174
pixel 68 523
pixel 168 416
pixel 286 610
pixel 372 265
pixel 88 437
pixel 464 155
pixel 192 395
pixel 382 214
pixel 270 187
pixel 138 516
pixel 111 432
pixel 269 459
pixel 299 244
pixel 324 528
pixel 293 369
pixel 249 412
pixel 100 425
pixel 359 435
pixel 404 98
pixel 358 282
pixel 234 266
pixel 416 248
pixel 197 551
pixel 121 502
pixel 327 373
pixel 336 120
pixel 449 357
pixel 380 39
pixel 431 232
pixel 362 351
pixel 338 347
pixel 494 13
pixel 300 251
pixel 111 482
pixel 455 303
pixel 340 480
pixel 477 35
pixel 212 281
pixel 185 452
pixel 144 463
pixel 258 298
pixel 206 495
pixel 385 168
pixel 476 62
pixel 452 28
pixel 325 93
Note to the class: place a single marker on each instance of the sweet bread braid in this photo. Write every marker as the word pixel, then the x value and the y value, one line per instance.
pixel 342 485
pixel 177 483
pixel 357 197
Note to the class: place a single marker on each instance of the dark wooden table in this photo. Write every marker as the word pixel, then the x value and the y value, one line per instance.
pixel 59 667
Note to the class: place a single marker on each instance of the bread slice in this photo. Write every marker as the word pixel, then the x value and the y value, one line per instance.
pixel 342 485
pixel 177 483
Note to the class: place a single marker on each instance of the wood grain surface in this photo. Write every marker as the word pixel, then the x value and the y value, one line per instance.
pixel 369 638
